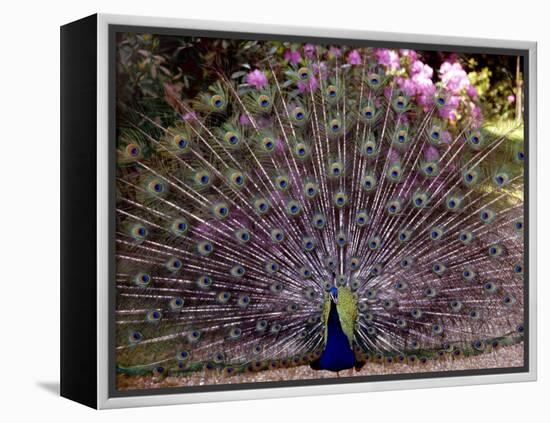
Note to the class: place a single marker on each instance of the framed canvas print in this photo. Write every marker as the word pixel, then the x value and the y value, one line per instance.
pixel 257 211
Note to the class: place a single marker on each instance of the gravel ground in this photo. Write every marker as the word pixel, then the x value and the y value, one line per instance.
pixel 509 356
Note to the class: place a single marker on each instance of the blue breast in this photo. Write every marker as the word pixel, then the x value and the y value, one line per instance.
pixel 337 354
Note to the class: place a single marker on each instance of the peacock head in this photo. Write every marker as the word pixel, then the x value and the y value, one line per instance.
pixel 334 294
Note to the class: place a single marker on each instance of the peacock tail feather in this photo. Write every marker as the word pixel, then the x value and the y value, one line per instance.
pixel 239 209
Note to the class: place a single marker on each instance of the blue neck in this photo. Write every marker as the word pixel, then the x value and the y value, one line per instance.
pixel 337 354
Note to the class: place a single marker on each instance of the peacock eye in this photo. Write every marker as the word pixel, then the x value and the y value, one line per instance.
pixel 235 333
pixel 204 248
pixel 242 235
pixel 298 114
pixel 430 292
pixel 304 73
pixel 243 301
pixel 371 293
pixel 204 281
pixel 416 313
pixel 400 286
pixel 308 243
pixel 341 239
pixel 237 271
pixel 217 101
pixel 264 101
pixel 456 305
pixel 135 337
pixel 414 344
pixel 142 279
pixel 293 207
pixel 176 303
pixel 340 199
pixel 132 150
pixel 277 235
pixel 437 329
pixel 336 169
pixel 272 267
pixel 520 155
pixel 487 215
pixel 374 243
pixel 495 250
pixel 335 125
pixel 520 329
pixel 154 316
pixel 281 182
pixel 436 233
pixel 490 287
pixel 478 345
pixel 362 218
pixel 173 264
pixel 332 91
pixel 376 269
pixel 305 272
pixel 276 328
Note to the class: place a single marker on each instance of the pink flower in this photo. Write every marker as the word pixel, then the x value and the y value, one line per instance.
pixel 257 79
pixel 407 86
pixel 264 122
pixel 354 58
pixel 511 99
pixel 394 156
pixel 388 58
pixel 309 51
pixel 431 154
pixel 189 116
pixel 472 91
pixel 449 111
pixel 476 112
pixel 293 56
pixel 244 120
pixel 419 83
pixel 307 86
pixel 454 77
pixel 320 70
pixel 411 54
pixel 334 52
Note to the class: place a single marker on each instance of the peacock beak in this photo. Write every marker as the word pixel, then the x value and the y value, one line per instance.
pixel 334 298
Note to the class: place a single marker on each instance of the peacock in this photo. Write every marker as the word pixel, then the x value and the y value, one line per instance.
pixel 325 207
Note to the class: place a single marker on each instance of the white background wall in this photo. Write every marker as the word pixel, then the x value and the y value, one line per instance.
pixel 29 208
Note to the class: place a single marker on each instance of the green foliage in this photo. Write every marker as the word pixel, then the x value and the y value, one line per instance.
pixel 496 86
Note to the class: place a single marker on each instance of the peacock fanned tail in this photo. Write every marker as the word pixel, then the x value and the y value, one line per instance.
pixel 234 222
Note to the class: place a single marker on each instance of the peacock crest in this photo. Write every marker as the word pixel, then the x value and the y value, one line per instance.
pixel 324 190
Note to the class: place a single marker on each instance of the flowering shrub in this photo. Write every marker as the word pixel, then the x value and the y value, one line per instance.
pixel 148 70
